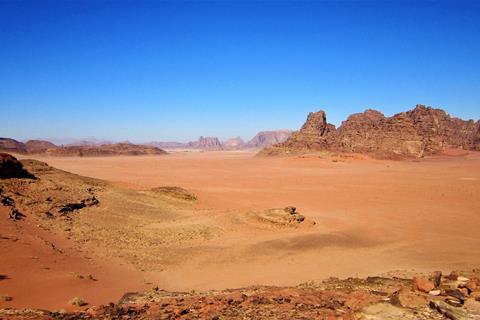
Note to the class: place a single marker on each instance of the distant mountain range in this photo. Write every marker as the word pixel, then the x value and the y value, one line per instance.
pixel 260 140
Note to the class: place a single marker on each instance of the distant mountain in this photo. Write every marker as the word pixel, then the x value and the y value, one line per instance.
pixel 48 148
pixel 206 143
pixel 167 145
pixel 11 145
pixel 234 144
pixel 267 138
pixel 39 146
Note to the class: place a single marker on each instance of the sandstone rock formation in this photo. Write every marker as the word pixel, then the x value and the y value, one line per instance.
pixel 10 167
pixel 39 146
pixel 234 143
pixel 12 146
pixel 421 131
pixel 267 138
pixel 206 143
pixel 115 149
pixel 167 144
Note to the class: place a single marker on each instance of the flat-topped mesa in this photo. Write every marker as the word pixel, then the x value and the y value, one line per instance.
pixel 415 133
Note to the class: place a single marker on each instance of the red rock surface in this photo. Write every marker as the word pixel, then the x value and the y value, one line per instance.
pixel 415 133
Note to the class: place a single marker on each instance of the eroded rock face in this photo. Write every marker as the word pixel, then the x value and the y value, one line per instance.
pixel 415 133
pixel 10 167
pixel 315 134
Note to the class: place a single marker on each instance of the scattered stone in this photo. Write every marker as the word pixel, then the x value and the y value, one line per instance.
pixel 454 301
pixel 455 293
pixel 472 285
pixel 77 302
pixel 16 215
pixel 290 209
pixel 447 311
pixel 435 292
pixel 462 279
pixel 452 276
pixel 437 278
pixel 422 284
pixel 5 298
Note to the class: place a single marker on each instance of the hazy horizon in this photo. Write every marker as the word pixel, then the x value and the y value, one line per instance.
pixel 164 71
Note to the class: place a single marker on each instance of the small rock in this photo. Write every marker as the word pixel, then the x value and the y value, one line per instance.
pixel 290 209
pixel 472 285
pixel 77 302
pixel 435 292
pixel 5 298
pixel 464 291
pixel 462 279
pixel 454 302
pixel 452 276
pixel 422 284
pixel 437 278
pixel 455 293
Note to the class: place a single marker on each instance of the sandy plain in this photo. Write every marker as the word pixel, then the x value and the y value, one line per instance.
pixel 371 217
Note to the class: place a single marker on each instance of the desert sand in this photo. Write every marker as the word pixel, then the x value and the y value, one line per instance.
pixel 364 217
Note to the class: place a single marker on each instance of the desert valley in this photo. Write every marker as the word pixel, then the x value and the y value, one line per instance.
pixel 375 219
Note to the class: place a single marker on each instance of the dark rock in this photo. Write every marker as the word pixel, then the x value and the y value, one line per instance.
pixel 10 167
pixel 437 278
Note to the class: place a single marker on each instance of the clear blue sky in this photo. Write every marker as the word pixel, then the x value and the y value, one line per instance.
pixel 144 71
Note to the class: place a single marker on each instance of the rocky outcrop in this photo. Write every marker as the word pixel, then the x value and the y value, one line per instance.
pixel 39 146
pixel 10 167
pixel 116 149
pixel 415 133
pixel 233 144
pixel 12 146
pixel 206 143
pixel 267 138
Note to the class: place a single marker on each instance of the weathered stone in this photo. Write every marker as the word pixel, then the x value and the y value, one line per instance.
pixel 437 278
pixel 422 284
pixel 10 167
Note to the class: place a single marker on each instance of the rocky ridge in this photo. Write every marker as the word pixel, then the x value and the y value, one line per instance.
pixel 415 133
pixel 48 148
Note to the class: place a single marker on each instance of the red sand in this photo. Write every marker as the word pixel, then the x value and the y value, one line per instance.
pixel 379 215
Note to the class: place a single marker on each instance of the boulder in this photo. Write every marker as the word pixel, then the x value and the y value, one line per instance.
pixel 10 167
pixel 422 284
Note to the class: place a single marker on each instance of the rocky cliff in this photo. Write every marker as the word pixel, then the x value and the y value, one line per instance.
pixel 267 138
pixel 415 133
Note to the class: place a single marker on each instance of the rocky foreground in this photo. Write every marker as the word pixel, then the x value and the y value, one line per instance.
pixel 438 297
pixel 415 133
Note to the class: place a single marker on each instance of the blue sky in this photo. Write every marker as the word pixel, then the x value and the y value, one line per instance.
pixel 144 71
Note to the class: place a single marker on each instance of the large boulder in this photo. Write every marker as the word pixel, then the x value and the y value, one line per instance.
pixel 10 167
